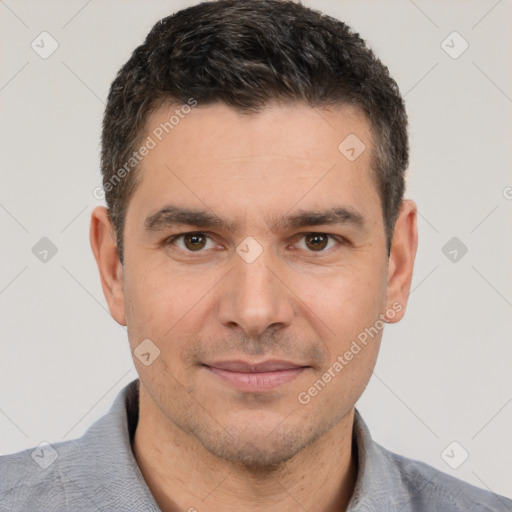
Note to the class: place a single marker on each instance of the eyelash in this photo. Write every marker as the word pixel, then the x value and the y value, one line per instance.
pixel 339 239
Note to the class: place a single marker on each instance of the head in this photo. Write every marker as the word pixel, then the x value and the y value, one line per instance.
pixel 276 139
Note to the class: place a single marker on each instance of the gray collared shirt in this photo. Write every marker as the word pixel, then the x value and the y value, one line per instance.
pixel 98 472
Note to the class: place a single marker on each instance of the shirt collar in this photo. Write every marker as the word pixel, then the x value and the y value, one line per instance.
pixel 377 481
pixel 119 484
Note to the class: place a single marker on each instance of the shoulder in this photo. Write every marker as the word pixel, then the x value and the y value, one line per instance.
pixel 37 476
pixel 97 471
pixel 392 482
pixel 425 488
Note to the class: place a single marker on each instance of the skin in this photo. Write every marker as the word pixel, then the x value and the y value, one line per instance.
pixel 201 443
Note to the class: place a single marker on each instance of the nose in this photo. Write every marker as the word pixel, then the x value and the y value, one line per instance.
pixel 255 297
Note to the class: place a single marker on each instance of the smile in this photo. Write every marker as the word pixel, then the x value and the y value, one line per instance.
pixel 255 377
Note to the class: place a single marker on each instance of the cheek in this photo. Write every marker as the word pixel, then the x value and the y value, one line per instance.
pixel 345 301
pixel 161 309
pixel 347 316
pixel 162 304
pixel 148 302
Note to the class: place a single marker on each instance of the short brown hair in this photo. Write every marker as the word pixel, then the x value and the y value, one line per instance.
pixel 246 53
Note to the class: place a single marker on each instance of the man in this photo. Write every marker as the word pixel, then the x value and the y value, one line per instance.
pixel 255 243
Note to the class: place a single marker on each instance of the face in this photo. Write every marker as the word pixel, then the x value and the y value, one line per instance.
pixel 256 263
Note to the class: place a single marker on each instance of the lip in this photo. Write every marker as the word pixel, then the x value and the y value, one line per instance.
pixel 255 377
pixel 239 365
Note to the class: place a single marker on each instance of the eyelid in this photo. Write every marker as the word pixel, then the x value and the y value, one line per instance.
pixel 338 238
pixel 171 239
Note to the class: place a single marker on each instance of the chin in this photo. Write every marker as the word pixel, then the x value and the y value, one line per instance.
pixel 254 455
pixel 264 450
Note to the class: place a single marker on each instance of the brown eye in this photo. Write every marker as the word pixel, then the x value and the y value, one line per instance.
pixel 317 241
pixel 194 241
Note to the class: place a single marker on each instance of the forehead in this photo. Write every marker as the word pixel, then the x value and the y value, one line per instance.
pixel 263 162
pixel 292 131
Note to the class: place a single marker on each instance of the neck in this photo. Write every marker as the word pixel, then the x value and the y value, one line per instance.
pixel 182 475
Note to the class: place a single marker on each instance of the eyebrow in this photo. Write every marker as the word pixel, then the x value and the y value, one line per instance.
pixel 171 216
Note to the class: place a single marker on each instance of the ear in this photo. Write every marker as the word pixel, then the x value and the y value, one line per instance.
pixel 104 248
pixel 401 260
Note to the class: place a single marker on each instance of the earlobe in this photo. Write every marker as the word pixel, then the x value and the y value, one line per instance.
pixel 105 252
pixel 401 260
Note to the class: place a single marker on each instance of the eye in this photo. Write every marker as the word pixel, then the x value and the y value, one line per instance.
pixel 191 242
pixel 316 242
pixel 196 242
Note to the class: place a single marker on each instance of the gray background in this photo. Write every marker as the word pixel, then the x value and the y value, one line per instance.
pixel 444 371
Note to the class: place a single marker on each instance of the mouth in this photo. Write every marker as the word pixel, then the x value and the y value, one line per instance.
pixel 255 377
